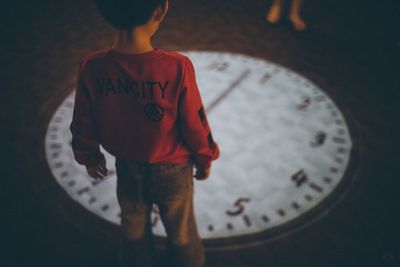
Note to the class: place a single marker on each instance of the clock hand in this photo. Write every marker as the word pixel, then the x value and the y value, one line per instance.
pixel 228 90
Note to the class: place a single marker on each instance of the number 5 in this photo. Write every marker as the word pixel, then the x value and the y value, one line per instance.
pixel 239 205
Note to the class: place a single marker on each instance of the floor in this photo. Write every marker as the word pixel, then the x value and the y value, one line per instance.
pixel 352 51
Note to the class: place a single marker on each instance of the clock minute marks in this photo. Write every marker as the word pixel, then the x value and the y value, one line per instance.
pixel 86 190
pixel 342 141
pixel 320 137
pixel 239 208
pixel 55 148
pixel 301 178
pixel 54 145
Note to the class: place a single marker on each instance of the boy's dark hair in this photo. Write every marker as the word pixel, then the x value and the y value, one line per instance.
pixel 126 14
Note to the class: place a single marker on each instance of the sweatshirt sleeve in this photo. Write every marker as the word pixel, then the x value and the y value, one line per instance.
pixel 85 144
pixel 193 122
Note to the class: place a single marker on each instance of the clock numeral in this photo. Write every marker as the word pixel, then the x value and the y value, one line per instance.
pixel 105 207
pixel 219 66
pixel 319 139
pixel 240 207
pixel 64 174
pixel 304 104
pixel 299 177
pixel 71 183
pixel 210 227
pixel 327 180
pixel 265 78
pixel 229 226
pixel 341 150
pixel 57 119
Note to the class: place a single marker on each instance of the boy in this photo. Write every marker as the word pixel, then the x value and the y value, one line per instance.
pixel 143 106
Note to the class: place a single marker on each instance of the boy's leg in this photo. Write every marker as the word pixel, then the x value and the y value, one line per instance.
pixel 183 242
pixel 174 196
pixel 275 11
pixel 295 17
pixel 136 246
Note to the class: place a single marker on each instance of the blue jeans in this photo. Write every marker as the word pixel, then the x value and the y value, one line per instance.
pixel 170 187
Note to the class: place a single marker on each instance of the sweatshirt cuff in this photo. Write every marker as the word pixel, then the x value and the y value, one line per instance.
pixel 204 165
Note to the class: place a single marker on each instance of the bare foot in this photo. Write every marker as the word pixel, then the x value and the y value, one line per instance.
pixel 298 24
pixel 274 14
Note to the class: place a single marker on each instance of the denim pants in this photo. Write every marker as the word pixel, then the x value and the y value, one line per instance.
pixel 170 187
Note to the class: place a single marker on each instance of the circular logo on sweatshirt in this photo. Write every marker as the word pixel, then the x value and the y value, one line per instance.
pixel 154 112
pixel 287 153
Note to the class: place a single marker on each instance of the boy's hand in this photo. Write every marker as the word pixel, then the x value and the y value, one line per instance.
pixel 202 174
pixel 98 172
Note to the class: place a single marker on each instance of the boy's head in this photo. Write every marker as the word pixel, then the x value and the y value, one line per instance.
pixel 128 14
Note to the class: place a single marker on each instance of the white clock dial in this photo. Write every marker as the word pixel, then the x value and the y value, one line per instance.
pixel 285 147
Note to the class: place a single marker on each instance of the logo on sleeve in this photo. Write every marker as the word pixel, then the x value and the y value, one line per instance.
pixel 154 112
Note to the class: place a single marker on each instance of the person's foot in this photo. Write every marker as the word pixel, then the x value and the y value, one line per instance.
pixel 298 24
pixel 274 14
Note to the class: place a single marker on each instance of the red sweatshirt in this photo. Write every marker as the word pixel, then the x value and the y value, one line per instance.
pixel 144 107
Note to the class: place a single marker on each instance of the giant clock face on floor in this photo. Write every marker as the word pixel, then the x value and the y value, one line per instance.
pixel 285 150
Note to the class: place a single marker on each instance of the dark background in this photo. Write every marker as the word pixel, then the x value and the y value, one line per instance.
pixel 351 51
